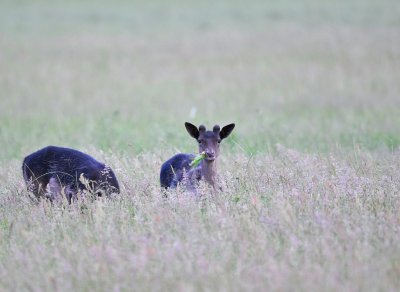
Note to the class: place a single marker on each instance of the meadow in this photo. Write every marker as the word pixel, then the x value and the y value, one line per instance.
pixel 311 174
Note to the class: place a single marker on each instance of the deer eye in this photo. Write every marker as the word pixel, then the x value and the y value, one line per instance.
pixel 200 141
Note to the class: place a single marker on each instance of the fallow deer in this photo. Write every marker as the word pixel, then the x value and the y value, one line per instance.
pixel 177 168
pixel 51 171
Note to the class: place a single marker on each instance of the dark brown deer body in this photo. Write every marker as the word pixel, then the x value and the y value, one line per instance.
pixel 177 168
pixel 51 171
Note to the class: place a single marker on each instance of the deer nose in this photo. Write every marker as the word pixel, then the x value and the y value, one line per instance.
pixel 210 153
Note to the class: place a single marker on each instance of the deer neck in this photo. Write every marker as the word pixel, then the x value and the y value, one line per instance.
pixel 209 171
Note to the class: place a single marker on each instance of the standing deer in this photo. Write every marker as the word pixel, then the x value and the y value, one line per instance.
pixel 51 171
pixel 178 168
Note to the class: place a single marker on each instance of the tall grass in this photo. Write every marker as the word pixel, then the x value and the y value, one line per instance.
pixel 310 176
pixel 288 221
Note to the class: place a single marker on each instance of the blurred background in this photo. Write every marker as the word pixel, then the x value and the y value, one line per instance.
pixel 124 76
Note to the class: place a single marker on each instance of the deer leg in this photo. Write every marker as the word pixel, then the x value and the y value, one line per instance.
pixel 53 190
pixel 70 194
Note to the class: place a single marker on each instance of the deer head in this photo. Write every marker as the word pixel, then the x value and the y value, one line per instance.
pixel 209 141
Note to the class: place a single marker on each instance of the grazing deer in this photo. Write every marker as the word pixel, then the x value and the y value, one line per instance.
pixel 51 171
pixel 178 168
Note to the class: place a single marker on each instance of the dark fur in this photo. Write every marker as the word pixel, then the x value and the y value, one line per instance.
pixel 65 166
pixel 173 169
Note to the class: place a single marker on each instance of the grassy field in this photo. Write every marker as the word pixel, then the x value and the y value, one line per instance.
pixel 311 174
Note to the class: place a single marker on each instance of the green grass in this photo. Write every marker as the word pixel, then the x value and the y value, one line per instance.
pixel 310 173
pixel 70 79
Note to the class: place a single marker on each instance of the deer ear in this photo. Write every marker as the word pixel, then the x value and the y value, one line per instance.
pixel 226 131
pixel 192 130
